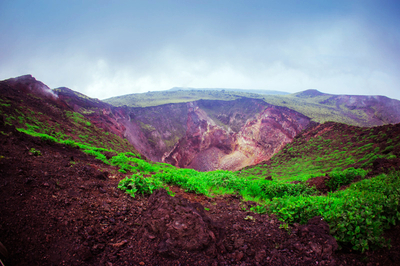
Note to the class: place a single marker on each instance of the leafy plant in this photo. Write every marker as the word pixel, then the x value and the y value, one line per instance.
pixel 357 216
pixel 260 209
pixel 35 152
pixel 140 184
pixel 285 226
pixel 345 177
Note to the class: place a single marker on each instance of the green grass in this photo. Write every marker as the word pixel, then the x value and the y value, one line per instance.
pixel 340 178
pixel 305 157
pixel 166 97
pixel 35 152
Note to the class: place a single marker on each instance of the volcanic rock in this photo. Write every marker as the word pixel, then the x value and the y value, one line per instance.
pixel 180 226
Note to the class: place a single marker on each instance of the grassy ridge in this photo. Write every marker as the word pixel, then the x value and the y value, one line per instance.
pixel 164 97
pixel 340 147
pixel 318 106
pixel 67 126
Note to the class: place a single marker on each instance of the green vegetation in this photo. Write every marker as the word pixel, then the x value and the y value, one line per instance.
pixel 341 178
pixel 35 152
pixel 357 216
pixel 307 157
pixel 75 129
pixel 165 97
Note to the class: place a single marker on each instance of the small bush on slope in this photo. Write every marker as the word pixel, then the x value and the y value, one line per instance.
pixel 345 177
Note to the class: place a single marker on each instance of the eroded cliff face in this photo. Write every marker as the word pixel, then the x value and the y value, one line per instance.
pixel 204 139
pixel 204 135
pixel 156 130
pixel 262 137
pixel 152 130
pixel 208 146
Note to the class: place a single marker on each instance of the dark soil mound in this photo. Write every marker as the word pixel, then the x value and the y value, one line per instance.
pixel 180 226
pixel 316 238
pixel 319 182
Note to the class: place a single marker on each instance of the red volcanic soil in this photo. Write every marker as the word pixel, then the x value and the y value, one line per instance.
pixel 64 208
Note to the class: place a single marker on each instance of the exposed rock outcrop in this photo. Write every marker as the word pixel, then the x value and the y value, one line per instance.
pixel 208 146
pixel 315 239
pixel 28 84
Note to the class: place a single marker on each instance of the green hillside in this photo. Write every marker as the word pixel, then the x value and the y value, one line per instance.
pixel 329 147
pixel 321 108
pixel 163 97
pixel 53 124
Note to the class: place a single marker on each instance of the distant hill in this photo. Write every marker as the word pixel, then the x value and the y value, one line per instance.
pixel 267 92
pixel 355 110
pixel 155 98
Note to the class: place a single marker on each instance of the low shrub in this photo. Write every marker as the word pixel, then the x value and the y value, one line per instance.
pixel 345 177
pixel 357 216
pixel 35 152
pixel 139 184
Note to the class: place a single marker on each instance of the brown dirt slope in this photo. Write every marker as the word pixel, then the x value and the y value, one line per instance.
pixel 64 208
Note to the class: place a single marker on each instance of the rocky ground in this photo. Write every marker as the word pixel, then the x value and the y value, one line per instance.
pixel 63 207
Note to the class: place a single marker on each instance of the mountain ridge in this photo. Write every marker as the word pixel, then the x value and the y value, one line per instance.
pixel 321 107
pixel 268 92
pixel 218 134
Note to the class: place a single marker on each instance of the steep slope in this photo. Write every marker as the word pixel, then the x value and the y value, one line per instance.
pixel 152 130
pixel 60 212
pixel 211 134
pixel 98 112
pixel 208 146
pixel 328 147
pixel 61 206
pixel 30 105
pixel 203 135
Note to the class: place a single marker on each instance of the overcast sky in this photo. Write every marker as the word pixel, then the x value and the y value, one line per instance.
pixel 110 47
